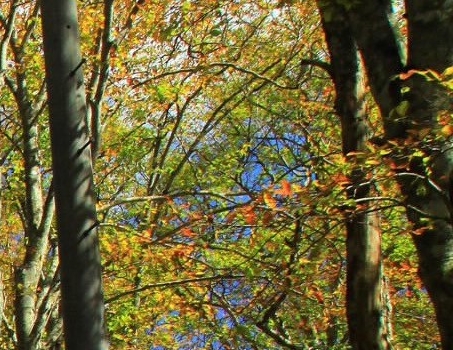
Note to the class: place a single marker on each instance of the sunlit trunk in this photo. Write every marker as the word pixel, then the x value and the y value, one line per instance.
pixel 366 311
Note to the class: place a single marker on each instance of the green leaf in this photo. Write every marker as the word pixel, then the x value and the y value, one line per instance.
pixel 402 108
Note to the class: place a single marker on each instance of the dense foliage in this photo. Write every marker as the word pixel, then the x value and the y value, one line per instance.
pixel 219 175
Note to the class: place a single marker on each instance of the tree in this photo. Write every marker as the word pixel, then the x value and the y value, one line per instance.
pixel 80 264
pixel 29 215
pixel 366 306
pixel 412 105
pixel 227 192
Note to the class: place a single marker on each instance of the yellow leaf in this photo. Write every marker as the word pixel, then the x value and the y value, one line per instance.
pixel 448 72
pixel 372 162
pixel 269 200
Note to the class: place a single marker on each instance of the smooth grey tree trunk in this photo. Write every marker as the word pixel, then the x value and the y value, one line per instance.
pixel 80 267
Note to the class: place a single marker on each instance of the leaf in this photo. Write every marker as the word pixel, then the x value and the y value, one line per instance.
pixel 268 217
pixel 402 108
pixel 269 200
pixel 341 179
pixel 384 152
pixel 250 216
pixel 372 162
pixel 448 72
pixel 215 31
pixel 447 130
pixel 420 231
pixel 407 75
pixel 319 296
pixel 187 232
pixel 230 217
pixel 285 189
pixel 355 153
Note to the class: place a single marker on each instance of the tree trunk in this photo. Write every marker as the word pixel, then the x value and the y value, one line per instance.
pixel 431 47
pixel 37 216
pixel 366 311
pixel 426 180
pixel 80 268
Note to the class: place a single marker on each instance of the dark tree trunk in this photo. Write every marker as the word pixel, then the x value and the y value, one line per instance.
pixel 366 309
pixel 425 184
pixel 430 46
pixel 80 266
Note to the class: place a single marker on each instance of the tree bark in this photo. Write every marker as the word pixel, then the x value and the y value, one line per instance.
pixel 426 184
pixel 37 215
pixel 430 46
pixel 366 311
pixel 28 274
pixel 80 267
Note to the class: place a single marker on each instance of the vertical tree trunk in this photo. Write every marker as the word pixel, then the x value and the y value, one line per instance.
pixel 366 311
pixel 82 299
pixel 426 184
pixel 36 222
pixel 430 46
pixel 27 275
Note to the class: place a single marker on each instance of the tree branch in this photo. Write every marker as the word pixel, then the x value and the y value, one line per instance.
pixel 171 284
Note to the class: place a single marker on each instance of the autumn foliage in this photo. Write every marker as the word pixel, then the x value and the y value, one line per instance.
pixel 222 189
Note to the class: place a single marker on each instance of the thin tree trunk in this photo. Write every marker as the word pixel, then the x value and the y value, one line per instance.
pixel 82 300
pixel 36 213
pixel 28 274
pixel 366 312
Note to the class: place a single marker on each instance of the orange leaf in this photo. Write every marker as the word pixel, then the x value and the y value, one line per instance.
pixel 285 190
pixel 419 231
pixel 405 76
pixel 319 297
pixel 250 216
pixel 187 232
pixel 341 180
pixel 447 130
pixel 178 253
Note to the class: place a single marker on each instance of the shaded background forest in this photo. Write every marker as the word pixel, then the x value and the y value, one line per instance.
pixel 221 184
